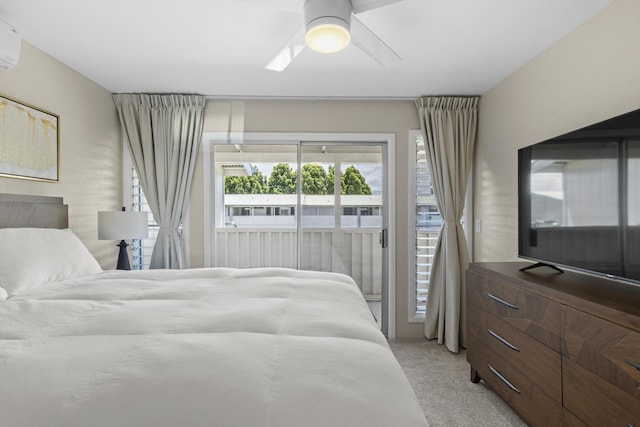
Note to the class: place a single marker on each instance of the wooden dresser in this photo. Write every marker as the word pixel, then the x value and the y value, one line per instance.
pixel 559 349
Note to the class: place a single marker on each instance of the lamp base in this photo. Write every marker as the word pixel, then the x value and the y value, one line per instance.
pixel 123 257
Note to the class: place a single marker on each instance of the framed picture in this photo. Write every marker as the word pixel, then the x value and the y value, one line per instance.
pixel 29 142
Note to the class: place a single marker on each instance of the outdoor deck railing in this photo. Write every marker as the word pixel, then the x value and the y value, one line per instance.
pixel 355 252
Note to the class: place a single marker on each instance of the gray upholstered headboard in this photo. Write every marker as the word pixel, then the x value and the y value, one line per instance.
pixel 18 210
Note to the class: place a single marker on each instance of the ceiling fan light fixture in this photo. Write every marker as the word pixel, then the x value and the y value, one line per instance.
pixel 327 24
pixel 328 37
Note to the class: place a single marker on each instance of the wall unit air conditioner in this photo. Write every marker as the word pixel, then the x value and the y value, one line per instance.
pixel 9 47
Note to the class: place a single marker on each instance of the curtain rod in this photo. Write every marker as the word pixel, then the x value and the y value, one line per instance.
pixel 307 98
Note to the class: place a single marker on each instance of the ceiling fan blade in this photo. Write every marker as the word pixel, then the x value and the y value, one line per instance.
pixel 365 40
pixel 364 5
pixel 289 51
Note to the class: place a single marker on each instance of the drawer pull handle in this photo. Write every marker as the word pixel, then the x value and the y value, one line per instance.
pixel 634 364
pixel 503 379
pixel 501 301
pixel 502 340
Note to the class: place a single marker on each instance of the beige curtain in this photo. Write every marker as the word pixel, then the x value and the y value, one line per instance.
pixel 449 126
pixel 163 133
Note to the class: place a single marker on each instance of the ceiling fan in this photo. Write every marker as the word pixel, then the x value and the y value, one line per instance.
pixel 329 26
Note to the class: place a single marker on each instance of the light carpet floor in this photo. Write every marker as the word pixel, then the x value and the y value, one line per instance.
pixel 441 382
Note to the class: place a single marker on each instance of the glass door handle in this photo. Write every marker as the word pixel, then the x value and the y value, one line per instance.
pixel 384 238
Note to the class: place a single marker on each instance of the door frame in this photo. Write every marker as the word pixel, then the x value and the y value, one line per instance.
pixel 387 140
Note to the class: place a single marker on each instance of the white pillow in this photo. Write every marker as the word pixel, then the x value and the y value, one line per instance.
pixel 32 256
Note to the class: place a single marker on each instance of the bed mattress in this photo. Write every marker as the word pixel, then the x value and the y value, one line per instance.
pixel 201 347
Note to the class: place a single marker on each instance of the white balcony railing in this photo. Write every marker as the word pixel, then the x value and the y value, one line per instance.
pixel 355 252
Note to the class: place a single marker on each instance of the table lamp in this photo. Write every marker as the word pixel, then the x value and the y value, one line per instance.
pixel 121 225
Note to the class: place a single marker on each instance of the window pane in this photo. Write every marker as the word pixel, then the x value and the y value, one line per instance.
pixel 318 209
pixel 335 235
pixel 427 224
pixel 255 188
pixel 142 248
pixel 259 180
pixel 361 193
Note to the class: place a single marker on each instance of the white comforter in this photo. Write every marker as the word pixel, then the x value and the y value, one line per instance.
pixel 208 347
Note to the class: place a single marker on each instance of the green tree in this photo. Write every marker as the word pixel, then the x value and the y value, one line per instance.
pixel 256 183
pixel 314 179
pixel 282 180
pixel 354 183
pixel 351 182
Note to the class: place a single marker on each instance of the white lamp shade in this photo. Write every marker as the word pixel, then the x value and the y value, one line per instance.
pixel 120 225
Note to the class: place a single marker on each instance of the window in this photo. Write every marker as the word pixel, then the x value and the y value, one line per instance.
pixel 284 211
pixel 134 199
pixel 425 224
pixel 261 211
pixel 141 248
pixel 350 211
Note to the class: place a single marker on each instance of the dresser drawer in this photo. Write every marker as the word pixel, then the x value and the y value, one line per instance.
pixel 607 350
pixel 535 360
pixel 595 401
pixel 534 315
pixel 525 397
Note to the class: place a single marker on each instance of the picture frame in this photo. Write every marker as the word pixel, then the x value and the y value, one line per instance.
pixel 29 142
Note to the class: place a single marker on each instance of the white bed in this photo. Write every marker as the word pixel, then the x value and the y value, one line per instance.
pixel 201 347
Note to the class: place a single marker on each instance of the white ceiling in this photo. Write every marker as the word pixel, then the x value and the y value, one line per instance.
pixel 220 47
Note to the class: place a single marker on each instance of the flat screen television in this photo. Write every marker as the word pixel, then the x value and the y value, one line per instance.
pixel 579 199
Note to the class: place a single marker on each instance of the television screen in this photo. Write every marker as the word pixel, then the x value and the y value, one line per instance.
pixel 579 199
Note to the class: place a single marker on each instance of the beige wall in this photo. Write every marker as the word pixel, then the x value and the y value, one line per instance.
pixel 332 116
pixel 90 153
pixel 590 75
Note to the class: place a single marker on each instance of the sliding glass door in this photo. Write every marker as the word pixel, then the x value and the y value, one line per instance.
pixel 342 213
pixel 309 205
